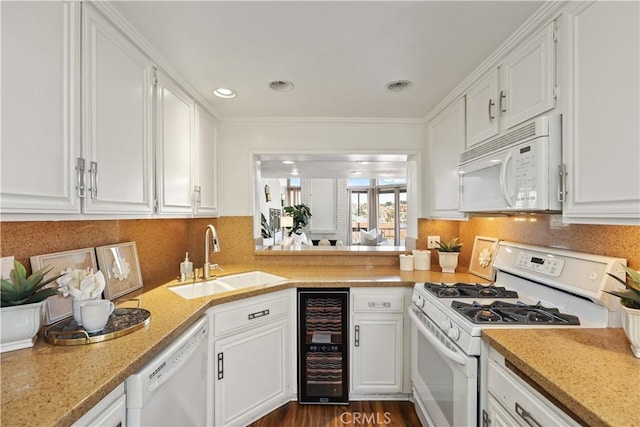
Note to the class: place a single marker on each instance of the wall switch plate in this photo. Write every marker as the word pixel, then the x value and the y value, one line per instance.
pixel 6 265
pixel 432 242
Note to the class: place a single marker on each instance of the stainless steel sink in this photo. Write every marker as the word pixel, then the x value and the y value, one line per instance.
pixel 226 283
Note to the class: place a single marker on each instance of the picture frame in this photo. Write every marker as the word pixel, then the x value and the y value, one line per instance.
pixel 482 255
pixel 59 307
pixel 121 268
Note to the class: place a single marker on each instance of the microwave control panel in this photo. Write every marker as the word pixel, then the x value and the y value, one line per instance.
pixel 526 175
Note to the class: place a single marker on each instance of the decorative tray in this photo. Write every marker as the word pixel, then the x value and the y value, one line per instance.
pixel 121 322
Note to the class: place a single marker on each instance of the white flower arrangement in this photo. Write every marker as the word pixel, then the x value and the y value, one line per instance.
pixel 484 258
pixel 82 284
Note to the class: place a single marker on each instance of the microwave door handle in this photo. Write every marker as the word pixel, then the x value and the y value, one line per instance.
pixel 503 180
pixel 442 349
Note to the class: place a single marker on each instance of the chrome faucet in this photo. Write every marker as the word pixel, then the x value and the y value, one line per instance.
pixel 209 233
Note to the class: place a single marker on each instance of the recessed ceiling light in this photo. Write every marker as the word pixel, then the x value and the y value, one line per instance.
pixel 356 173
pixel 398 86
pixel 295 172
pixel 223 92
pixel 363 163
pixel 287 162
pixel 281 85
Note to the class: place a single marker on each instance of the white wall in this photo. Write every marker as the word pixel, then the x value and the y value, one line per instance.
pixel 238 139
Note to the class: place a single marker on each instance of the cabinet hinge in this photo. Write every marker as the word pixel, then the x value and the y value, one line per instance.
pixel 155 77
pixel 555 32
pixel 555 91
pixel 155 205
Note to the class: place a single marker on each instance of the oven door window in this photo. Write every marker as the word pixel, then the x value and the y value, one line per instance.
pixel 447 389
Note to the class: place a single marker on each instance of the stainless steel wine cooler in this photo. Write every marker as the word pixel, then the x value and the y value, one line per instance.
pixel 323 345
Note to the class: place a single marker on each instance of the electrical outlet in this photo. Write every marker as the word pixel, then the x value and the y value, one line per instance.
pixel 432 242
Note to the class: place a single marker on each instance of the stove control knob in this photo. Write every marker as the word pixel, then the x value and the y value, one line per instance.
pixel 454 333
pixel 419 301
pixel 445 325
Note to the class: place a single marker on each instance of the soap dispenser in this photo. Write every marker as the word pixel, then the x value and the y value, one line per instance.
pixel 186 268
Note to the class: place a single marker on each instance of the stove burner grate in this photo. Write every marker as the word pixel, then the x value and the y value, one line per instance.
pixel 469 290
pixel 505 312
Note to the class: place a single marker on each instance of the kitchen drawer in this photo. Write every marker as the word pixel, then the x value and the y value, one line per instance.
pixel 523 403
pixel 249 313
pixel 384 300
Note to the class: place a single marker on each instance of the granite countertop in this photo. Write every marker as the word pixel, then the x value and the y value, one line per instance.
pixel 55 385
pixel 592 372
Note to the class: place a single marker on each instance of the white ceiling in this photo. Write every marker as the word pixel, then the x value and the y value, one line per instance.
pixel 339 54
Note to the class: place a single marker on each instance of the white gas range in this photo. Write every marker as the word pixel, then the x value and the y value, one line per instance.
pixel 535 287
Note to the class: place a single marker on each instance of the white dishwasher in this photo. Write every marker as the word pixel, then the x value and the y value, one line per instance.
pixel 171 389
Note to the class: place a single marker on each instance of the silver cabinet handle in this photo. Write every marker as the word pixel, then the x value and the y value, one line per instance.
pixel 503 105
pixel 373 304
pixel 486 421
pixel 258 314
pixel 562 182
pixel 491 104
pixel 93 177
pixel 80 177
pixel 356 339
pixel 526 416
pixel 220 366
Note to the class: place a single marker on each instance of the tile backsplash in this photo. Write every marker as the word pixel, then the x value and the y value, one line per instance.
pixel 163 242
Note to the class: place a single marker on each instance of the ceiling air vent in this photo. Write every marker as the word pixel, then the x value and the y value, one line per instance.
pixel 281 85
pixel 398 86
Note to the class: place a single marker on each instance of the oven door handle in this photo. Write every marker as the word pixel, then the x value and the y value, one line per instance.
pixel 442 349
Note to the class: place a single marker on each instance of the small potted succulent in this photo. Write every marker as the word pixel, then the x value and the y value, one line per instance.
pixel 448 253
pixel 23 300
pixel 630 301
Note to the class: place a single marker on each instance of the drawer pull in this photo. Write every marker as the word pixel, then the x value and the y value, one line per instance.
pixel 258 314
pixel 526 416
pixel 220 366
pixel 373 304
pixel 356 338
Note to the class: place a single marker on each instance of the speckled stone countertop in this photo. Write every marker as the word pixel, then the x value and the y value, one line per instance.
pixel 55 385
pixel 592 372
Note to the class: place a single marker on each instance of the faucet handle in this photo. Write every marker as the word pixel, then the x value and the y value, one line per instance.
pixel 196 274
pixel 215 266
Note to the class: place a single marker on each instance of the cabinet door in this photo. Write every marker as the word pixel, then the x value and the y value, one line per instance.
pixel 601 129
pixel 117 89
pixel 446 142
pixel 527 79
pixel 498 416
pixel 40 111
pixel 175 115
pixel 251 374
pixel 483 109
pixel 378 357
pixel 206 166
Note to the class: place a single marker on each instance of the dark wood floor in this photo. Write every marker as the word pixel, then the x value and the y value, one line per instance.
pixel 356 414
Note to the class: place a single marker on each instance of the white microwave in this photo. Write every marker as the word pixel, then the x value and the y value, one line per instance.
pixel 516 172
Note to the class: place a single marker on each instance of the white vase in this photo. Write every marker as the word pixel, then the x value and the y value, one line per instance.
pixel 631 326
pixel 448 261
pixel 20 325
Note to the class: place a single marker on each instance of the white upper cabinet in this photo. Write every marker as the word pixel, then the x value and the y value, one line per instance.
pixel 40 107
pixel 206 173
pixel 446 142
pixel 521 88
pixel 601 137
pixel 175 147
pixel 117 92
pixel 482 109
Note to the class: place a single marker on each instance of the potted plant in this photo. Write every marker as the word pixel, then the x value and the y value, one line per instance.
pixel 448 253
pixel 301 215
pixel 23 300
pixel 630 301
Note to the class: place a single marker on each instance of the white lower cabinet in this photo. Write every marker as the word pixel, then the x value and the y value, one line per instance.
pixel 513 402
pixel 378 342
pixel 252 356
pixel 109 412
